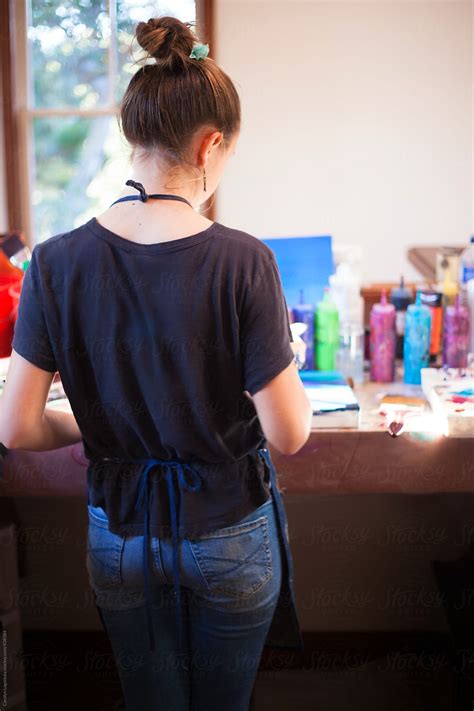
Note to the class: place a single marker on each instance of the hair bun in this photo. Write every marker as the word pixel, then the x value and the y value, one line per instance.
pixel 167 39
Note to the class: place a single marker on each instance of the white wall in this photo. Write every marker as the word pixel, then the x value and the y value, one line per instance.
pixel 357 122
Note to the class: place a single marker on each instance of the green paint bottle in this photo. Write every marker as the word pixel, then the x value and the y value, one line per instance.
pixel 326 333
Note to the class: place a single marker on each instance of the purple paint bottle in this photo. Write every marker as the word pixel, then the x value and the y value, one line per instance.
pixel 304 313
pixel 382 341
pixel 456 335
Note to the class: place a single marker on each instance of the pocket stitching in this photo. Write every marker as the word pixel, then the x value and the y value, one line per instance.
pixel 219 588
pixel 230 530
pixel 198 564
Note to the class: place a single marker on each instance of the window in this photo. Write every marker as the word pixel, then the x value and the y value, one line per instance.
pixel 75 58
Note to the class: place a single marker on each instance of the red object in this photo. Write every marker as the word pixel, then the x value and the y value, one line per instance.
pixel 6 337
pixel 11 279
pixel 15 291
pixel 6 302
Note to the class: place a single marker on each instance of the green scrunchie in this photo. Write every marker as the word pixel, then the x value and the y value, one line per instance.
pixel 199 51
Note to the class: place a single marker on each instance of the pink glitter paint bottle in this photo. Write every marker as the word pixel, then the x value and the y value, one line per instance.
pixel 456 335
pixel 382 341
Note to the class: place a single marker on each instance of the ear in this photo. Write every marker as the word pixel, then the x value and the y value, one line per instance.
pixel 209 142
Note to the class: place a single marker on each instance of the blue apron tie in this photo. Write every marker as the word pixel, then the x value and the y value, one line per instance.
pixel 280 516
pixel 142 503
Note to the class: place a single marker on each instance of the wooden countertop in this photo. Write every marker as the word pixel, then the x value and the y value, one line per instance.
pixel 338 461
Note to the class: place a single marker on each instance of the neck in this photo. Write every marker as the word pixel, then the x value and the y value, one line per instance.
pixel 154 181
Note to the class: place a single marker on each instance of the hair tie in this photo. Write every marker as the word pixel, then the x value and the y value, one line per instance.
pixel 199 51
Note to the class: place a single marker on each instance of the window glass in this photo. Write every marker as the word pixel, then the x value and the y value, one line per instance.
pixel 68 52
pixel 80 60
pixel 80 166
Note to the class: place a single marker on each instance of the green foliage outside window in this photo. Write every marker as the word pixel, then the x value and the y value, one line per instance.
pixel 80 159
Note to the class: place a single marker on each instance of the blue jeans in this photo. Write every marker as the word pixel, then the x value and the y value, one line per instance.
pixel 228 600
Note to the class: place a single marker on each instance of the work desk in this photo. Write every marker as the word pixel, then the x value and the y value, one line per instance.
pixel 340 461
pixel 369 460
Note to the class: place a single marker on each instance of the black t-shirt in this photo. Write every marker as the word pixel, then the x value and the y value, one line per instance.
pixel 155 344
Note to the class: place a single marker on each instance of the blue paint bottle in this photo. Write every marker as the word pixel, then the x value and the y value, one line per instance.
pixel 416 346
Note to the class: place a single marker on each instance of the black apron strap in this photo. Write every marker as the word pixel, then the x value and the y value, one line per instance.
pixel 144 196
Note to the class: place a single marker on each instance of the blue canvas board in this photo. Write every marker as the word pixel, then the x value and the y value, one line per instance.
pixel 304 263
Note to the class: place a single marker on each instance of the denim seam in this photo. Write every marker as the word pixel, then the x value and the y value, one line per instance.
pixel 198 566
pixel 158 558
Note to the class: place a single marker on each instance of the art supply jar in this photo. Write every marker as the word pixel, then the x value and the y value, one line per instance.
pixel 416 347
pixel 450 290
pixel 447 265
pixel 456 335
pixel 350 356
pixel 382 341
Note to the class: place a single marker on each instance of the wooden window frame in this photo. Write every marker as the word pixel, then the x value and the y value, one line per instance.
pixel 17 115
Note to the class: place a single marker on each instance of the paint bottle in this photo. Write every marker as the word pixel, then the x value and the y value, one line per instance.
pixel 416 347
pixel 470 308
pixel 304 313
pixel 466 264
pixel 434 301
pixel 382 341
pixel 450 290
pixel 456 335
pixel 401 297
pixel 327 333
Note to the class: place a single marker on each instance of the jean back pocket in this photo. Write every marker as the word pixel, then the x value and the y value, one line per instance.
pixel 235 561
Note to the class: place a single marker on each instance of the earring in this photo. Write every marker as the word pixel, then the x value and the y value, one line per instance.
pixel 204 179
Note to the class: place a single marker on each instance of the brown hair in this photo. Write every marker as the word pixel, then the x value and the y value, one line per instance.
pixel 168 100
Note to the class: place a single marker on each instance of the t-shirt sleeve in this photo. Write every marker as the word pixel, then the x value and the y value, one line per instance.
pixel 30 337
pixel 265 333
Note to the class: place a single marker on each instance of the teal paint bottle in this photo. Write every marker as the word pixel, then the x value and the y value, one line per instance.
pixel 416 346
